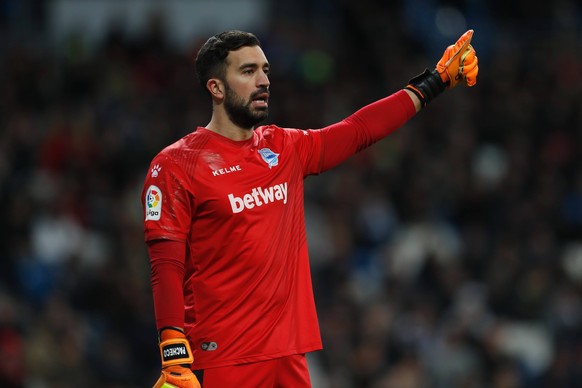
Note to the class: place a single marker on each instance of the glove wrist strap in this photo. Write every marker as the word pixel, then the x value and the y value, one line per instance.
pixel 175 349
pixel 426 86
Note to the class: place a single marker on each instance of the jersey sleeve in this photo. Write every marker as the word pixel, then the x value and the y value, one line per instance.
pixel 307 144
pixel 368 125
pixel 167 261
pixel 167 203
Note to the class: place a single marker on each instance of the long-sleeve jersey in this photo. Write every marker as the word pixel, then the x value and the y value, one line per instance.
pixel 224 222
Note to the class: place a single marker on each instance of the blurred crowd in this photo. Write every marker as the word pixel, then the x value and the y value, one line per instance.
pixel 447 255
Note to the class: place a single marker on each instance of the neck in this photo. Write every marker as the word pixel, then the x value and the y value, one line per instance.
pixel 226 128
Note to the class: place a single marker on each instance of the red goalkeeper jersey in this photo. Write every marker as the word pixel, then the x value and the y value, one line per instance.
pixel 238 207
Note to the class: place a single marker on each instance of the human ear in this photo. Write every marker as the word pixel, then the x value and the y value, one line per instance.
pixel 215 87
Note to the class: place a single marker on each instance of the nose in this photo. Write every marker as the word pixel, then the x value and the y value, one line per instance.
pixel 263 80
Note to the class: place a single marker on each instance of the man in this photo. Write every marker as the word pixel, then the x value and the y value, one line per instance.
pixel 224 221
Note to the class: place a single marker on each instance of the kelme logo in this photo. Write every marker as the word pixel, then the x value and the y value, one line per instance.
pixel 153 201
pixel 156 170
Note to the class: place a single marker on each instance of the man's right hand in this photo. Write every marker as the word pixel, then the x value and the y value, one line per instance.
pixel 459 62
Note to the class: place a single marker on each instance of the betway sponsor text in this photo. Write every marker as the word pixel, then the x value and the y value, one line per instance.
pixel 258 197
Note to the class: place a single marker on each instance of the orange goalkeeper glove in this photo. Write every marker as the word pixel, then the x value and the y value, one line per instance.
pixel 458 63
pixel 176 359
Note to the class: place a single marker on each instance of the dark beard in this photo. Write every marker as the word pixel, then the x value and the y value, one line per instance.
pixel 239 112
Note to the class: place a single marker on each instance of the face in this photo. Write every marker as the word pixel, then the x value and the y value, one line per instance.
pixel 246 95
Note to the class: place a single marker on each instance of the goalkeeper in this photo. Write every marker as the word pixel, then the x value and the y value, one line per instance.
pixel 224 222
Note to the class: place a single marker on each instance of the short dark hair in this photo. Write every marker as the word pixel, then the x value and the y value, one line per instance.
pixel 211 58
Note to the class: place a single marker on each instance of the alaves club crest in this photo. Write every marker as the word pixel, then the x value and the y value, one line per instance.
pixel 271 158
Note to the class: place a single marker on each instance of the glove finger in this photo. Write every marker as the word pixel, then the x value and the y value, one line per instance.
pixel 473 72
pixel 464 40
pixel 160 382
pixel 468 66
pixel 447 55
pixel 468 61
pixel 471 77
pixel 469 55
pixel 177 376
pixel 469 70
pixel 442 65
pixel 459 47
pixel 186 380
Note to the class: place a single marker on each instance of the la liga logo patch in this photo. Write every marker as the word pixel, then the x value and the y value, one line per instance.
pixel 153 203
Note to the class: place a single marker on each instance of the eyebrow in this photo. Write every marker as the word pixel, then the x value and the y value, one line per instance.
pixel 253 65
